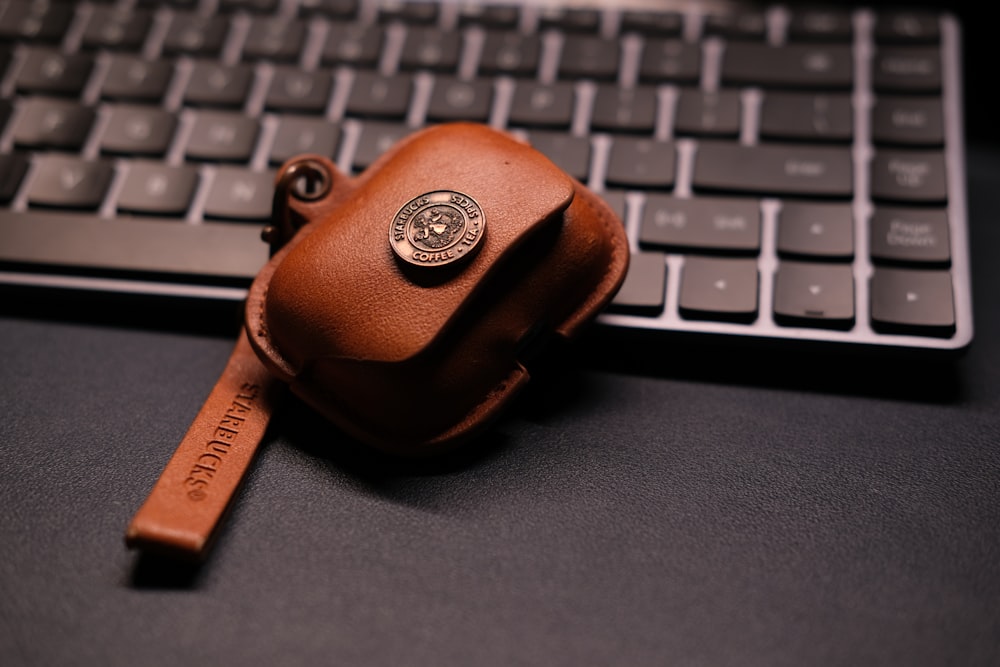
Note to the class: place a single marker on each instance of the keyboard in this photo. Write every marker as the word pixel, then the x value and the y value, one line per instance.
pixel 785 174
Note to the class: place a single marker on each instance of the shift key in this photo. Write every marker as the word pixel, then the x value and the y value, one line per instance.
pixel 804 171
pixel 701 224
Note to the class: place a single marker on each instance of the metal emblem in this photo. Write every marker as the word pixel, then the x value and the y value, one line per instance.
pixel 437 228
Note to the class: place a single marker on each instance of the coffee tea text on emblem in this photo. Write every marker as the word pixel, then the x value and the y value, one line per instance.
pixel 437 228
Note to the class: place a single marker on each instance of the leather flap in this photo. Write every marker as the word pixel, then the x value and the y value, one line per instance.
pixel 341 291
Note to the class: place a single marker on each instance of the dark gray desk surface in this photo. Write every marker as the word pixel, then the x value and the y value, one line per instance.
pixel 620 516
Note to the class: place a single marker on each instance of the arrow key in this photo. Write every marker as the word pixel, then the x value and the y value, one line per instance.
pixel 814 295
pixel 912 302
pixel 642 291
pixel 719 289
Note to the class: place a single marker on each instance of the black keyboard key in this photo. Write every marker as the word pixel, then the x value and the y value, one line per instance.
pixel 134 79
pixel 297 135
pixel 589 58
pixel 67 182
pixel 670 60
pixel 215 85
pixel 224 251
pixel 353 45
pixel 814 295
pixel 807 66
pixel 907 27
pixel 457 99
pixel 35 21
pixel 292 89
pixel 642 293
pixel 624 109
pixel 908 120
pixel 719 289
pixel 277 39
pixel 54 73
pixel 909 176
pixel 907 70
pixel 12 169
pixel 641 162
pixel 708 113
pixel 153 188
pixel 376 138
pixel 510 53
pixel 57 124
pixel 431 49
pixel 240 195
pixel 815 25
pixel 138 130
pixel 196 35
pixel 380 96
pixel 701 224
pixel 569 153
pixel 913 302
pixel 775 170
pixel 493 16
pixel 408 11
pixel 179 4
pixel 653 24
pixel 807 117
pixel 569 19
pixel 737 25
pixel 542 105
pixel 813 230
pixel 218 135
pixel 616 200
pixel 340 9
pixel 918 236
pixel 252 6
pixel 113 28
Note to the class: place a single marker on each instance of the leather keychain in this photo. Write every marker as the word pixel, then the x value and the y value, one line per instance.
pixel 399 304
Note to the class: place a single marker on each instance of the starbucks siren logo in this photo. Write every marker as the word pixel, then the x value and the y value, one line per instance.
pixel 437 228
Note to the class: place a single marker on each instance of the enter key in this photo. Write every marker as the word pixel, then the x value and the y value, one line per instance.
pixel 805 171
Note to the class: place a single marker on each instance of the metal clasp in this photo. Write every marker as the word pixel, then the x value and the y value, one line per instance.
pixel 306 180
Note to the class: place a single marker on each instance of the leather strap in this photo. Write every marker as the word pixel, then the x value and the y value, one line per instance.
pixel 188 502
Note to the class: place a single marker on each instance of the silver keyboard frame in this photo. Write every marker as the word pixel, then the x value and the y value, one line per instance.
pixel 669 320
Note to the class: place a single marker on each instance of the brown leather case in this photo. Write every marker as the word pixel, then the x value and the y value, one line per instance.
pixel 413 350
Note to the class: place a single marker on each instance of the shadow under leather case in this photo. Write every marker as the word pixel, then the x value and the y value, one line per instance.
pixel 411 358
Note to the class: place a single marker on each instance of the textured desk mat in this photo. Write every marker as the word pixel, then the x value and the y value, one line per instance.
pixel 622 514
